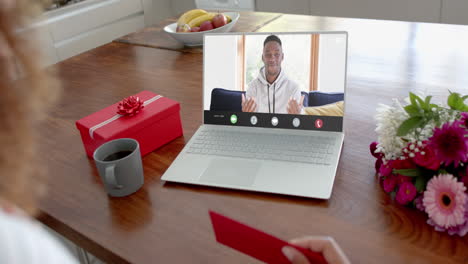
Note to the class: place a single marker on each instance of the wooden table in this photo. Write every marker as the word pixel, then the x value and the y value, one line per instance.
pixel 169 223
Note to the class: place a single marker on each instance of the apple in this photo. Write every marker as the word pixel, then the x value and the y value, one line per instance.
pixel 183 28
pixel 219 20
pixel 195 29
pixel 207 25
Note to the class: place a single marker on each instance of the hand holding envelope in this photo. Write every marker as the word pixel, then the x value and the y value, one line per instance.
pixel 325 245
pixel 270 249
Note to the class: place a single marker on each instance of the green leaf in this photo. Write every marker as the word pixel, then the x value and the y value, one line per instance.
pixel 409 124
pixel 412 110
pixel 456 102
pixel 459 103
pixel 437 120
pixel 416 172
pixel 420 183
pixel 420 101
pixel 412 98
pixel 427 103
pixel 452 100
pixel 428 99
pixel 461 106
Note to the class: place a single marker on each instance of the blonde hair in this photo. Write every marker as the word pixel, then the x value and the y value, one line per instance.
pixel 26 90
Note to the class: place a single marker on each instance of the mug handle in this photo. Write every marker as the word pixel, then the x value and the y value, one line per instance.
pixel 110 177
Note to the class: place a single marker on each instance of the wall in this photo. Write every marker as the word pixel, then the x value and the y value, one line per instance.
pixel 180 6
pixel 454 12
pixel 281 6
pixel 220 66
pixel 436 11
pixel 331 65
pixel 156 10
pixel 406 10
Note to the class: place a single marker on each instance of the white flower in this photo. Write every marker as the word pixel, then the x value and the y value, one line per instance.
pixel 389 118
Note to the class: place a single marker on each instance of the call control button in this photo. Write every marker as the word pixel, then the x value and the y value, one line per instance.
pixel 318 123
pixel 274 121
pixel 253 120
pixel 296 122
pixel 233 119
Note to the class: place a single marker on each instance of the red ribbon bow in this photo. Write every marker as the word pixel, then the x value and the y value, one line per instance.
pixel 130 106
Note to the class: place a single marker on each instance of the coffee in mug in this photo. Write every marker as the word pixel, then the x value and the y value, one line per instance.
pixel 118 155
pixel 120 167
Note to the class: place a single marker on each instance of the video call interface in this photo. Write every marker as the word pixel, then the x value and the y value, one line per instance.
pixel 277 80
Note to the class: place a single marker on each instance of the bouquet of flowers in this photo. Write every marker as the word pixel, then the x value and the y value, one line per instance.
pixel 422 158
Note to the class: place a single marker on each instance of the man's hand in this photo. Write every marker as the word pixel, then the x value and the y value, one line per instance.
pixel 325 245
pixel 248 105
pixel 294 107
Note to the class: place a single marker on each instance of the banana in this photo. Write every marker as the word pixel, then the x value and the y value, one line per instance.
pixel 196 22
pixel 190 15
pixel 229 19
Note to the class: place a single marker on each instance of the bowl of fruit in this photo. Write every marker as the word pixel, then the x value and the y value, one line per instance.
pixel 191 25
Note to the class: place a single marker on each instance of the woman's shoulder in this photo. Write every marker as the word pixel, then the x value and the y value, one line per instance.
pixel 22 240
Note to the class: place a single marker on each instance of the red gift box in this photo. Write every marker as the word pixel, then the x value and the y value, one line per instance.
pixel 156 124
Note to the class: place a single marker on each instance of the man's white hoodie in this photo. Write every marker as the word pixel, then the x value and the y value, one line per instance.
pixel 274 97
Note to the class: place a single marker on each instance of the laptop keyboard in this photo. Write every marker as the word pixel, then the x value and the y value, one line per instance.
pixel 251 145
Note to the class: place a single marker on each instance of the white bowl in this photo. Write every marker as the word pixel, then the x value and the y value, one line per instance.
pixel 196 38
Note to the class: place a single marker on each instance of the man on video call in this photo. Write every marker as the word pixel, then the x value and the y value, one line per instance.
pixel 272 91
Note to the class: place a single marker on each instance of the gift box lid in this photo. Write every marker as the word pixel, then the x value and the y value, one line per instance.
pixel 106 123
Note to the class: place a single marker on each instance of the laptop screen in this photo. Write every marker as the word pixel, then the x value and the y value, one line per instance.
pixel 275 80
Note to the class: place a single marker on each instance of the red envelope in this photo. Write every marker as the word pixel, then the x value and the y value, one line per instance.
pixel 255 243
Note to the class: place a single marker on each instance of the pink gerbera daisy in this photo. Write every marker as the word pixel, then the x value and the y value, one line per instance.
pixel 444 201
pixel 464 180
pixel 460 230
pixel 418 202
pixel 450 144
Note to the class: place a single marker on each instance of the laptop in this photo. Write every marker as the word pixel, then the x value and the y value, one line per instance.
pixel 273 112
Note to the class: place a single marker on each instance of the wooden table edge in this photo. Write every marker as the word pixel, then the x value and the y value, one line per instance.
pixel 79 240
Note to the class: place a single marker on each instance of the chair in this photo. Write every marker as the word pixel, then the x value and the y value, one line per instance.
pixel 226 100
pixel 306 98
pixel 317 98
